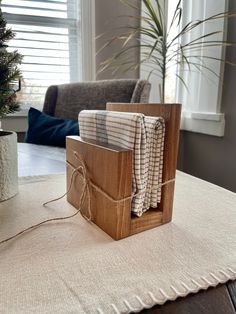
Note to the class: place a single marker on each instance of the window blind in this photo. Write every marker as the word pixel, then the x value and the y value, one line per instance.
pixel 48 36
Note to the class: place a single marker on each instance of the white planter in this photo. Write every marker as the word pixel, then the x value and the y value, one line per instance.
pixel 8 165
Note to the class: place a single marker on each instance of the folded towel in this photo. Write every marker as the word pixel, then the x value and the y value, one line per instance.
pixel 155 132
pixel 144 135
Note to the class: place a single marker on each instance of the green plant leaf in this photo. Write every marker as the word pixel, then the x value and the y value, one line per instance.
pixel 159 48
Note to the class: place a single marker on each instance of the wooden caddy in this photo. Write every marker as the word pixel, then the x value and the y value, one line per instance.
pixel 110 168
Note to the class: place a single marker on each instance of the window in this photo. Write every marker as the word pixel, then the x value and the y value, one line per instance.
pixel 48 35
pixel 201 103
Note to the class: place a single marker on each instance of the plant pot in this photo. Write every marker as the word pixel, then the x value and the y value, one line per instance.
pixel 8 165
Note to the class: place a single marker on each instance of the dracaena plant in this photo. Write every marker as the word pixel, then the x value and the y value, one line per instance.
pixel 161 48
pixel 9 71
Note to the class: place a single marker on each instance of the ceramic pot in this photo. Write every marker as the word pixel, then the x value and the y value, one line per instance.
pixel 8 165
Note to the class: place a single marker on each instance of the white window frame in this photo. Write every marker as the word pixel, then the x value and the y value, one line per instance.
pixel 18 121
pixel 201 104
pixel 202 109
pixel 88 40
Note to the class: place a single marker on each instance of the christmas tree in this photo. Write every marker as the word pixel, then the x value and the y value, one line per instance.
pixel 9 71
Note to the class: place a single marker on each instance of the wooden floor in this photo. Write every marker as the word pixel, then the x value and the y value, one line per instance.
pixel 38 160
pixel 219 300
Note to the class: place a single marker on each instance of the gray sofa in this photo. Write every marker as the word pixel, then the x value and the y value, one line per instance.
pixel 67 100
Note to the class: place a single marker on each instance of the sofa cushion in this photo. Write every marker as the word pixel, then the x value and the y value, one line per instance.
pixel 47 130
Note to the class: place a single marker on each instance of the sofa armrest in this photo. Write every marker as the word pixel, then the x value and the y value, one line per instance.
pixel 50 100
pixel 141 92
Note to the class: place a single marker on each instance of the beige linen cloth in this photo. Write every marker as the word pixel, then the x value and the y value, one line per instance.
pixel 74 267
pixel 144 135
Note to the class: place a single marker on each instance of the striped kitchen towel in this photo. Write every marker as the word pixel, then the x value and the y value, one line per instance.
pixel 143 135
pixel 155 132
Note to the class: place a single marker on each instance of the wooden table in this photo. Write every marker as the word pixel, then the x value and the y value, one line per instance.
pixel 41 160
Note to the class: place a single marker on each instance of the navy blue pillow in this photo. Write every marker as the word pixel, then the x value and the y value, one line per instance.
pixel 47 130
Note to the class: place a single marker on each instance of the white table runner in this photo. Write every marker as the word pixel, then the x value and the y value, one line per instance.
pixel 74 267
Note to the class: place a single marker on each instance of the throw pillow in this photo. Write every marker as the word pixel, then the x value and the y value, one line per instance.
pixel 47 130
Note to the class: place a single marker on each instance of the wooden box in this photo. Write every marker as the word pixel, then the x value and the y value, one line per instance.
pixel 110 168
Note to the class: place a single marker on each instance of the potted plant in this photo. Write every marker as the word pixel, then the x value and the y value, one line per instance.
pixel 9 75
pixel 163 49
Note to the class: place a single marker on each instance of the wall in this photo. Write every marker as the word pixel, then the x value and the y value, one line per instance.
pixel 110 20
pixel 213 158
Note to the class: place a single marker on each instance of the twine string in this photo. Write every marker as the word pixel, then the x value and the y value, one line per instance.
pixel 82 171
pixel 37 225
pixel 87 183
pixel 77 170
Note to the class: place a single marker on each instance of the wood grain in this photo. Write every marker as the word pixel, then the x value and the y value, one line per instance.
pixel 152 218
pixel 212 301
pixel 109 168
pixel 231 285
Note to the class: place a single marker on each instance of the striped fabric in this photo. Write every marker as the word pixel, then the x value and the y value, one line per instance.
pixel 144 135
pixel 155 132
